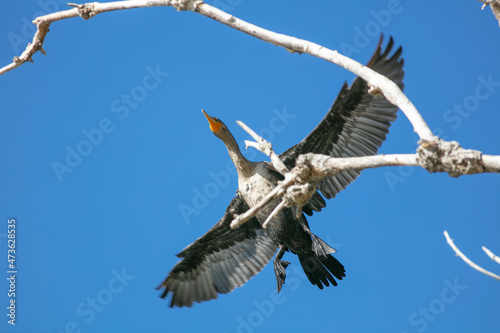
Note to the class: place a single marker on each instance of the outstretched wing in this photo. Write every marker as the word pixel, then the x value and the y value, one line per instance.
pixel 220 260
pixel 355 125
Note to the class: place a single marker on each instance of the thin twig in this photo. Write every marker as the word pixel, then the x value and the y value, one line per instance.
pixel 265 147
pixel 491 255
pixel 275 211
pixel 86 11
pixel 467 260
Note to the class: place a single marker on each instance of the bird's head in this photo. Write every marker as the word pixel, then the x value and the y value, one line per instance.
pixel 218 127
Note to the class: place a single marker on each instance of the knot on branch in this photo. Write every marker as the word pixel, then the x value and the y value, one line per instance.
pixel 448 156
pixel 265 147
pixel 298 195
pixel 306 173
pixel 301 190
pixel 181 5
pixel 86 11
pixel 373 90
pixel 311 167
pixel 37 46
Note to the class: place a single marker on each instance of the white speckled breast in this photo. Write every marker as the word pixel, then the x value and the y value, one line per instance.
pixel 254 188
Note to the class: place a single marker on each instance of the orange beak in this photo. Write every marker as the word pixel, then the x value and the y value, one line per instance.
pixel 214 123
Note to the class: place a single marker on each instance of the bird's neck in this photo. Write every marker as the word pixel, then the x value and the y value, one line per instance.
pixel 243 166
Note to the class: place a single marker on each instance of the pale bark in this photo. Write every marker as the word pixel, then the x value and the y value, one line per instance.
pixel 434 156
pixel 491 255
pixel 467 260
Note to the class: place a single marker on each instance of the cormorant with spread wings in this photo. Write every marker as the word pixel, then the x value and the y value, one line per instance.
pixel 225 258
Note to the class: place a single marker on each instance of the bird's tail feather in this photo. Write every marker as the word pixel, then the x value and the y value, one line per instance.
pixel 319 269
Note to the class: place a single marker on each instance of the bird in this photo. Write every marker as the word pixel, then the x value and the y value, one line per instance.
pixel 224 258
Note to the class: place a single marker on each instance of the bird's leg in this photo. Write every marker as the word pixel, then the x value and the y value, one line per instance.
pixel 280 266
pixel 319 247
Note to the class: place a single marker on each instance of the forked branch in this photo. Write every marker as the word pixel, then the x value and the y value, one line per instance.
pixel 85 11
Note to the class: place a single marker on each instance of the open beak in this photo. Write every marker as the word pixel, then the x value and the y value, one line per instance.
pixel 214 123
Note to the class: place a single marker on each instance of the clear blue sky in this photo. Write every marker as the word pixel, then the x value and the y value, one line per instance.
pixel 125 89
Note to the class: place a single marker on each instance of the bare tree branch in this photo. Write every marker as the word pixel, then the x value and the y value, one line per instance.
pixel 299 184
pixel 86 11
pixel 376 81
pixel 275 211
pixel 453 159
pixel 491 255
pixel 467 260
pixel 491 163
pixel 264 146
pixel 448 156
